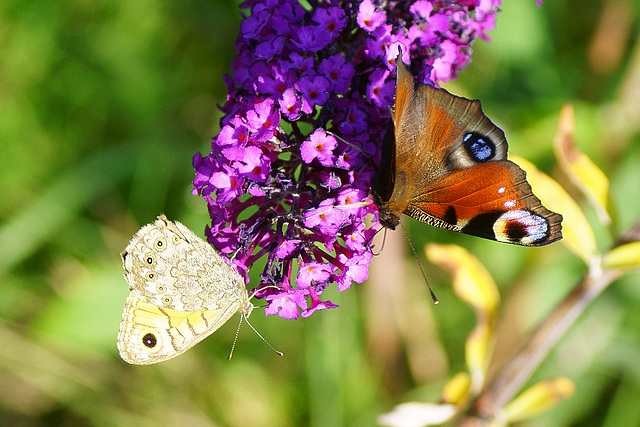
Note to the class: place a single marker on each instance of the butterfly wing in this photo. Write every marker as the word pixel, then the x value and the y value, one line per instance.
pixel 451 170
pixel 181 292
pixel 499 206
pixel 150 334
pixel 167 265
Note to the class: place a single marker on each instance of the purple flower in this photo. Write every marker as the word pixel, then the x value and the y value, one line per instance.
pixel 312 38
pixel 314 91
pixel 263 120
pixel 380 89
pixel 319 146
pixel 442 66
pixel 356 269
pixel 314 272
pixel 281 184
pixel 317 304
pixel 291 104
pixel 332 19
pixel 326 218
pixel 422 9
pixel 229 184
pixel 252 163
pixel 338 71
pixel 368 17
pixel 289 249
pixel 287 304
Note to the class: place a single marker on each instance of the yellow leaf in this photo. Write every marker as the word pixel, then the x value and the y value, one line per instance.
pixel 478 351
pixel 582 172
pixel 576 231
pixel 473 284
pixel 471 281
pixel 457 389
pixel 624 256
pixel 538 398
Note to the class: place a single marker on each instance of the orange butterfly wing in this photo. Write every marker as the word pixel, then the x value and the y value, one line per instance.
pixel 491 200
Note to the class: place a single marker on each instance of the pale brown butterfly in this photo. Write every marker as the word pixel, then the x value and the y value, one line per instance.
pixel 181 292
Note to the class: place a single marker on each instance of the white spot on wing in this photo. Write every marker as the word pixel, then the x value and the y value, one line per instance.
pixel 535 227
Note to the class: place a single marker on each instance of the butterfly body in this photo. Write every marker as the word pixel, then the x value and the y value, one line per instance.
pixel 445 163
pixel 181 292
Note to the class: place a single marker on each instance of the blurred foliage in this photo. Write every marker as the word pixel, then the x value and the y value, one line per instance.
pixel 103 104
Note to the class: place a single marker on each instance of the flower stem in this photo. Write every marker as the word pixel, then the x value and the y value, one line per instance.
pixel 510 378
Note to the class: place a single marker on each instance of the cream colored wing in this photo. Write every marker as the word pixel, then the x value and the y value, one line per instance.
pixel 167 265
pixel 181 292
pixel 150 334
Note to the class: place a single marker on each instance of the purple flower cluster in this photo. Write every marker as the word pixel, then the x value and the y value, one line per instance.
pixel 281 181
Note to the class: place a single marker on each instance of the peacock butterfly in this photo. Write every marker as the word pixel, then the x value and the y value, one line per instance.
pixel 445 163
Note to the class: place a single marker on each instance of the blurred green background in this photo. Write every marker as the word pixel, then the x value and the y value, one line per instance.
pixel 103 104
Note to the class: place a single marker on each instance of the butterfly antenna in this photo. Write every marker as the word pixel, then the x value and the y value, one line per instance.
pixel 235 339
pixel 246 319
pixel 341 139
pixel 355 147
pixel 245 316
pixel 384 240
pixel 415 254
